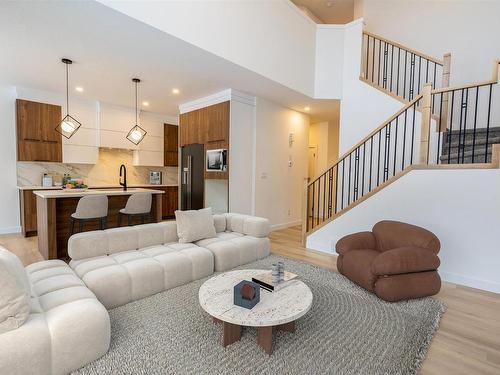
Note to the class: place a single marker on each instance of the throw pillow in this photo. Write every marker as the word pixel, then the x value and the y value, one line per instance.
pixel 15 292
pixel 195 225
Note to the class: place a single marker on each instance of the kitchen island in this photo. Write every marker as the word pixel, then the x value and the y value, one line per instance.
pixel 54 208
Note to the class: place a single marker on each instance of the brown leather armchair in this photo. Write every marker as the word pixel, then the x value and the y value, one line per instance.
pixel 396 261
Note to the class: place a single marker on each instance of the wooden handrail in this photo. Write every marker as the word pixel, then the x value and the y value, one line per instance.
pixel 400 46
pixel 492 81
pixel 371 134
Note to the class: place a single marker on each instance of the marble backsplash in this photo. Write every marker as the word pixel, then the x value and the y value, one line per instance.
pixel 105 172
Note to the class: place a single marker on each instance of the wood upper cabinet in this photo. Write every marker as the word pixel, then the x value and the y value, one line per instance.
pixel 171 145
pixel 218 122
pixel 37 139
pixel 205 125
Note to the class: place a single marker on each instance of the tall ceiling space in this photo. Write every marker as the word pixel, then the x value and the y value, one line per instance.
pixel 109 49
pixel 328 11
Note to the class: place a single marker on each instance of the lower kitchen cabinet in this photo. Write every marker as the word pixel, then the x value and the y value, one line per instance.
pixel 28 212
pixel 170 202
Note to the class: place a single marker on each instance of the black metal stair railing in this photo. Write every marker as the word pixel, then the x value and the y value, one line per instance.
pixel 388 150
pixel 399 69
pixel 466 115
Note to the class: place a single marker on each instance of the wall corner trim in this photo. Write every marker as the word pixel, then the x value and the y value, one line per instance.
pixel 216 98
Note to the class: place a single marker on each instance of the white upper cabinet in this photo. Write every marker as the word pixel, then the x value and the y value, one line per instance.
pixel 150 150
pixel 115 123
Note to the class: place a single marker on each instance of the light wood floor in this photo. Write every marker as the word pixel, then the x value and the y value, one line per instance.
pixel 468 339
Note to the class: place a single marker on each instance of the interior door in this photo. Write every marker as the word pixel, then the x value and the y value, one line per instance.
pixel 192 176
pixel 312 160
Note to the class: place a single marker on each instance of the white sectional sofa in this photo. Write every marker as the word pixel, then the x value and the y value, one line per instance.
pixel 50 322
pixel 52 318
pixel 121 265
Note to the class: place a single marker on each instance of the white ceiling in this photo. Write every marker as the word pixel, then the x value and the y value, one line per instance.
pixel 109 49
pixel 330 11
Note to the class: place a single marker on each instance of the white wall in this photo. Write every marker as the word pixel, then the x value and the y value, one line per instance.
pixel 278 187
pixel 242 154
pixel 216 195
pixel 272 38
pixel 363 107
pixel 466 28
pixel 9 212
pixel 329 61
pixel 466 220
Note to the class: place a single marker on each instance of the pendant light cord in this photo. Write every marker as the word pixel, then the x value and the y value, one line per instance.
pixel 136 117
pixel 67 91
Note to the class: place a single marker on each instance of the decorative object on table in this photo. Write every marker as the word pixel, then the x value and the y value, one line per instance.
pixel 266 280
pixel 281 269
pixel 275 273
pixel 68 125
pixel 246 294
pixel 136 134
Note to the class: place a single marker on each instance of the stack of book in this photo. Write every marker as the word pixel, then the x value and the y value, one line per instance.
pixel 265 280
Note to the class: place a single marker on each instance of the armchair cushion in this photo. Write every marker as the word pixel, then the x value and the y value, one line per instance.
pixel 356 241
pixel 404 260
pixel 356 266
pixel 394 234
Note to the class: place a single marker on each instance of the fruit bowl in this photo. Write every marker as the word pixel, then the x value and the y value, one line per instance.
pixel 75 185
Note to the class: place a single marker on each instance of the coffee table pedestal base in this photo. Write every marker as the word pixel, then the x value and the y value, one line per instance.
pixel 232 333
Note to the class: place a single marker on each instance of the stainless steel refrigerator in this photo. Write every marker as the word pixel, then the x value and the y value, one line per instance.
pixel 192 176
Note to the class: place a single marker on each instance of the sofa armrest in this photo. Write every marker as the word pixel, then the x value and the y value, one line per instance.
pixel 405 260
pixel 249 225
pixel 356 241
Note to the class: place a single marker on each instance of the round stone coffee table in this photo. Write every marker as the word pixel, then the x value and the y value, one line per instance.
pixel 276 310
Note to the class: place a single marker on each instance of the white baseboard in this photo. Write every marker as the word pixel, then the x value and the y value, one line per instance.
pixel 10 230
pixel 489 286
pixel 320 246
pixel 285 225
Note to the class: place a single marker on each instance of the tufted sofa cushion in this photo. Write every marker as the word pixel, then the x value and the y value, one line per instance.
pixel 110 241
pixel 67 327
pixel 123 277
pixel 232 249
pixel 245 224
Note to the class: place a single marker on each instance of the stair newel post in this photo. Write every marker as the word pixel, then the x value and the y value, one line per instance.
pixel 305 209
pixel 425 123
pixel 495 155
pixel 445 82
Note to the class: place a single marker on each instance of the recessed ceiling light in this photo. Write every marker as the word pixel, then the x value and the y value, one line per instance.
pixel 307 109
pixel 79 88
pixel 145 104
pixel 175 91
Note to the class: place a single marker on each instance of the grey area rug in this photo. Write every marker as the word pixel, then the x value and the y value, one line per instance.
pixel 347 331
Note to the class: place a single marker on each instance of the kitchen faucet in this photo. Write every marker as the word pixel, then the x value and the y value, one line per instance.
pixel 124 183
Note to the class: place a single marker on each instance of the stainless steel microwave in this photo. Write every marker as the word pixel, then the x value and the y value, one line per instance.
pixel 217 160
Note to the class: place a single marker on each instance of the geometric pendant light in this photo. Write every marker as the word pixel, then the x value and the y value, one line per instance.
pixel 68 125
pixel 136 134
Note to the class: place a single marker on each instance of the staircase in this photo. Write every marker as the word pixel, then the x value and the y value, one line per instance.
pixel 464 147
pixel 437 126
